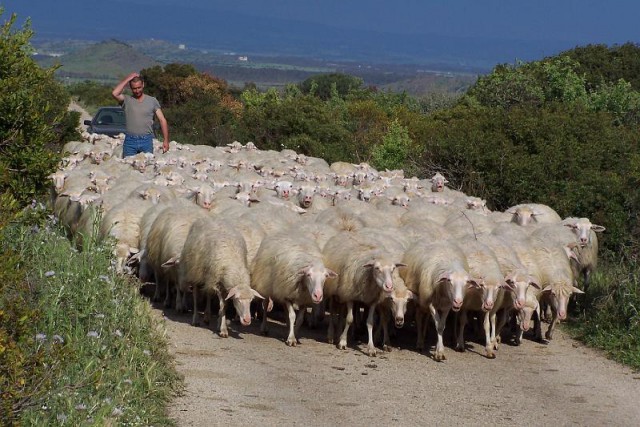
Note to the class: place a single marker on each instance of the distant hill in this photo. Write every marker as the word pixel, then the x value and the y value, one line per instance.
pixel 423 84
pixel 107 60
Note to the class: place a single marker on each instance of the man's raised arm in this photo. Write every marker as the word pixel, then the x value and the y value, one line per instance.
pixel 117 91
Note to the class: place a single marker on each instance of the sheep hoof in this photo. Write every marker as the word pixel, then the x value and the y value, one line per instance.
pixel 548 336
pixel 460 348
pixel 387 348
pixel 292 343
pixel 195 324
pixel 224 334
pixel 371 352
pixel 264 332
pixel 342 345
pixel 439 356
pixel 491 354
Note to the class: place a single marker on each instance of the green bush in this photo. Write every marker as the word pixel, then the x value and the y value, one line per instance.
pixel 33 114
pixel 78 344
pixel 92 95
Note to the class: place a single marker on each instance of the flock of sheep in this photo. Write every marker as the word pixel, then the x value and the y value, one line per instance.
pixel 281 228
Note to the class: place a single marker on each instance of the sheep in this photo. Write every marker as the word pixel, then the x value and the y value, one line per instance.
pixel 579 235
pixel 487 297
pixel 289 270
pixel 122 222
pixel 214 260
pixel 165 241
pixel 557 279
pixel 395 303
pixel 528 213
pixel 438 273
pixel 468 223
pixel 365 271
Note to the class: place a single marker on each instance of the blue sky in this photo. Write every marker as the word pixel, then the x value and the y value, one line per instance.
pixel 580 21
pixel 481 31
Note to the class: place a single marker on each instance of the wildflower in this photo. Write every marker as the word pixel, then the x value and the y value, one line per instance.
pixel 58 339
pixel 100 316
pixel 41 337
pixel 116 412
pixel 93 334
pixel 81 407
pixel 50 273
pixel 118 333
pixel 146 353
pixel 128 381
pixel 103 278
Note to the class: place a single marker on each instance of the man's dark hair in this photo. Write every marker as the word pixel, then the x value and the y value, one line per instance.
pixel 136 80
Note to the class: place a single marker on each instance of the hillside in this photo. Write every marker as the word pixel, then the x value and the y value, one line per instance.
pixel 107 60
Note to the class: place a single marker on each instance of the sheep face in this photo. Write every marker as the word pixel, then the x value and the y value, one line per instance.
pixel 399 300
pixel 455 284
pixel 242 298
pixel 437 183
pixel 557 295
pixel 382 272
pixel 582 229
pixel 313 278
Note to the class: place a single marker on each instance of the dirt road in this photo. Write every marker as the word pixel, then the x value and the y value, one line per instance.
pixel 249 379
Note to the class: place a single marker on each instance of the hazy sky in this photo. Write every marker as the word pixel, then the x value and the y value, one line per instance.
pixel 578 21
pixel 490 31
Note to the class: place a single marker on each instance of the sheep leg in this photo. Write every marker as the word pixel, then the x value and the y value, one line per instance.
pixel 194 320
pixel 222 320
pixel 342 345
pixel 504 318
pixel 167 295
pixel 554 321
pixel 493 329
pixel 291 339
pixel 331 328
pixel 264 329
pixel 384 323
pixel 419 327
pixel 440 321
pixel 462 322
pixel 537 325
pixel 299 320
pixel 487 335
pixel 371 348
pixel 207 309
pixel 157 294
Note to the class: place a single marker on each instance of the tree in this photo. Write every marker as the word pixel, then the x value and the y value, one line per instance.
pixel 321 85
pixel 33 114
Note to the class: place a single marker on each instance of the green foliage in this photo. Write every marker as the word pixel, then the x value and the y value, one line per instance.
pixel 163 82
pixel 608 316
pixel 92 94
pixel 77 343
pixel 601 64
pixel 33 114
pixel 321 85
pixel 394 150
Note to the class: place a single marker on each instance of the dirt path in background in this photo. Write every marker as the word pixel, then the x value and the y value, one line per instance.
pixel 249 379
pixel 84 115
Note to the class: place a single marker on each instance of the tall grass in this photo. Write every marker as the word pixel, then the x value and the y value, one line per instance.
pixel 103 352
pixel 609 314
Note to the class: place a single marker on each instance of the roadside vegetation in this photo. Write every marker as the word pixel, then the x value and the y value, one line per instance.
pixel 78 344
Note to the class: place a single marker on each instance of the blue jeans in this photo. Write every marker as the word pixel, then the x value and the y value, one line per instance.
pixel 134 144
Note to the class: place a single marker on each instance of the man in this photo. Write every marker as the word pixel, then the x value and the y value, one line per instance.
pixel 139 110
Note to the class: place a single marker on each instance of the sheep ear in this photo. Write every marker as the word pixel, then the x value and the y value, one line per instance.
pixel 547 288
pixel 570 253
pixel 410 295
pixel 171 262
pixel 533 283
pixel 256 294
pixel 597 228
pixel 577 291
pixel 508 284
pixel 400 264
pixel 331 274
pixel 232 293
pixel 475 283
pixel 369 264
pixel 443 277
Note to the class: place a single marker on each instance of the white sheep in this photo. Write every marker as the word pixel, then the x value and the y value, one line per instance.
pixel 289 270
pixel 214 261
pixel 438 274
pixel 365 272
